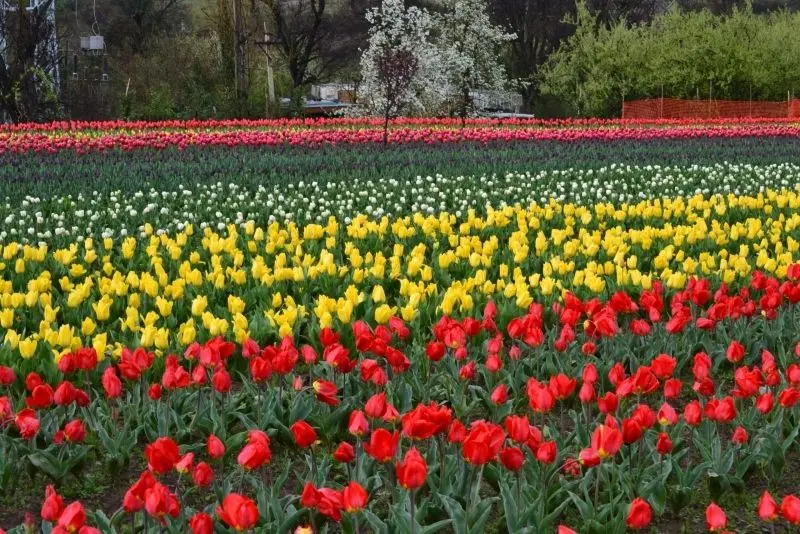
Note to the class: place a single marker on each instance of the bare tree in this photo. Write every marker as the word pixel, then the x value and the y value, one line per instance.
pixel 395 69
pixel 28 61
pixel 315 38
pixel 134 23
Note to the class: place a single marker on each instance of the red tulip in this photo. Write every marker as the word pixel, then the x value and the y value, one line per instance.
pixel 663 366
pixel 160 502
pixel 631 430
pixel 588 457
pixel 382 445
pixel 202 475
pixel 518 428
pixel 309 498
pixel 135 496
pixel 639 514
pixel 201 523
pixel 667 415
pixel 330 503
pixel 721 410
pixel 715 518
pixel 162 455
pixel 254 454
pixel 27 423
pixel 456 433
pixel 185 463
pixel 412 471
pixel 7 376
pixel 154 392
pixel 111 383
pixel 607 403
pixel 790 509
pixel 546 452
pixel 587 393
pixel 765 402
pixel 6 412
pixel 540 397
pixel 735 352
pixel 376 406
pixel 41 397
pixel 483 442
pixel 562 386
pixel 606 441
pixel 53 505
pixel 767 508
pixel 221 380
pixel 344 453
pixel 304 434
pixel 328 337
pixel 326 392
pixel 358 424
pixel 215 447
pixel 499 395
pixel 672 388
pixel 512 458
pixel 739 436
pixel 664 444
pixel 238 512
pixel 435 351
pixel 354 497
pixel 73 517
pixel 693 413
pixel 75 431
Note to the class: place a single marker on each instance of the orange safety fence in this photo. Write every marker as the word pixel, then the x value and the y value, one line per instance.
pixel 674 108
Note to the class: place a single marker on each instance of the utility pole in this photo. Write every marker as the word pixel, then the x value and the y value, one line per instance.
pixel 264 45
pixel 240 67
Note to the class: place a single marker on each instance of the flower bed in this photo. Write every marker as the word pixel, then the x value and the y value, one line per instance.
pixel 588 348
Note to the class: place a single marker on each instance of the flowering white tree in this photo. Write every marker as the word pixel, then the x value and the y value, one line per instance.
pixel 400 68
pixel 470 46
pixel 417 62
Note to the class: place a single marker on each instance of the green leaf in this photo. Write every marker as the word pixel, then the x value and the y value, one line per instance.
pixel 378 525
pixel 456 513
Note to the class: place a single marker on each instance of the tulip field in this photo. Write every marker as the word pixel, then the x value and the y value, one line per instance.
pixel 502 327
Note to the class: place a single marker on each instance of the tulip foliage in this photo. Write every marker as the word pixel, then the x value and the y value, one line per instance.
pixel 570 365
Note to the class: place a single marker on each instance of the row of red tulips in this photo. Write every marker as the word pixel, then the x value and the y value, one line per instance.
pixel 575 411
pixel 182 139
pixel 367 122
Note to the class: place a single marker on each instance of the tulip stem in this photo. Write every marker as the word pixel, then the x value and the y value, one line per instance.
pixel 441 461
pixel 355 469
pixel 519 493
pixel 280 393
pixel 412 520
pixel 313 468
pixel 393 481
pixel 477 489
pixel 597 485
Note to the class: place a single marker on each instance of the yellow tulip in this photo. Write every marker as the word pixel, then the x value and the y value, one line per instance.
pixel 6 317
pixel 27 347
pixel 383 313
pixel 12 339
pixel 164 306
pixel 87 326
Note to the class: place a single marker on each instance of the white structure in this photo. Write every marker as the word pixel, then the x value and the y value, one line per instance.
pixel 330 91
pixel 496 100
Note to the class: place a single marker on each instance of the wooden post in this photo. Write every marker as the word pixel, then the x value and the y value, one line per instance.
pixel 661 110
pixel 238 50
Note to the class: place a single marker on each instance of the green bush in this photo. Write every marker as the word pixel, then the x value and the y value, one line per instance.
pixel 684 55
